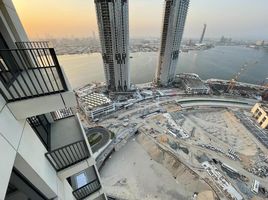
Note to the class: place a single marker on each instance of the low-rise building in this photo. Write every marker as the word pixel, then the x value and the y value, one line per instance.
pixel 192 83
pixel 94 104
pixel 102 111
pixel 260 113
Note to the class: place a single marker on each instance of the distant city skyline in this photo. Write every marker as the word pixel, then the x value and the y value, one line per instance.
pixel 240 19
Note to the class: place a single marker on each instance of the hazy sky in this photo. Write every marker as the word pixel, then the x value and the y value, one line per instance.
pixel 246 19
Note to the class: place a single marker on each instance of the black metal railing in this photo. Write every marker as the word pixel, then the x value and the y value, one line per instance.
pixel 30 72
pixel 33 44
pixel 62 114
pixel 68 155
pixel 87 189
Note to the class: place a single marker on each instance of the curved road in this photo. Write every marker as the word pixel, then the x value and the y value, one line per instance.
pixel 224 101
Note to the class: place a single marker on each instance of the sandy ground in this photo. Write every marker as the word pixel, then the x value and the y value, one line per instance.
pixel 142 171
pixel 217 127
pixel 172 107
pixel 132 174
pixel 205 195
pixel 223 127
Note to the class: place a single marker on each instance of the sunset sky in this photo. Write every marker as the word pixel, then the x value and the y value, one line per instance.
pixel 246 19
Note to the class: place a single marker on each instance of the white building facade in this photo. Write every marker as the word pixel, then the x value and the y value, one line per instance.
pixel 173 26
pixel 44 149
pixel 113 23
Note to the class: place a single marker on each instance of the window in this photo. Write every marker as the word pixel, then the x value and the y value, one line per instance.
pixel 41 126
pixel 20 187
pixel 3 44
pixel 81 180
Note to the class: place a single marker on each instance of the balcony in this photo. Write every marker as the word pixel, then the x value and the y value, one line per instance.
pixel 30 72
pixel 87 189
pixel 33 44
pixel 85 183
pixel 67 143
pixel 30 76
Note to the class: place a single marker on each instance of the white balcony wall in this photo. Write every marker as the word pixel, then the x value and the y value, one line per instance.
pixel 10 128
pixel 21 147
pixel 12 28
pixel 7 155
pixel 2 103
pixel 41 105
pixel 68 191
pixel 31 159
pixel 10 134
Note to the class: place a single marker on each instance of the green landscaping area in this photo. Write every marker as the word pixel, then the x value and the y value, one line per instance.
pixel 94 138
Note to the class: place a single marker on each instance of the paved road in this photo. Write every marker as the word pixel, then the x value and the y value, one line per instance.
pixel 260 134
pixel 221 102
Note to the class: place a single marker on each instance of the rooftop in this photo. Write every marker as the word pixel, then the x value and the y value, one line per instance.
pixel 192 80
pixel 93 100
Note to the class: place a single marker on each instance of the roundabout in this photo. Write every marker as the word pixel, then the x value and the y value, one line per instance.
pixel 98 137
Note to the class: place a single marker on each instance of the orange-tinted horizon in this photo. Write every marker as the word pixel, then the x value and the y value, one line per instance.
pixel 51 18
pixel 67 18
pixel 77 18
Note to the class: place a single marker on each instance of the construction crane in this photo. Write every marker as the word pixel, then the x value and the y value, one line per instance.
pixel 203 34
pixel 233 81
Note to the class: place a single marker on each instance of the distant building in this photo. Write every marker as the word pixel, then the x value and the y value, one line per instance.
pixel 265 95
pixel 260 113
pixel 259 43
pixel 255 186
pixel 112 17
pixel 172 31
pixel 102 111
pixel 225 40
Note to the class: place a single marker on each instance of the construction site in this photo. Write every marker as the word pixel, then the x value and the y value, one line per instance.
pixel 183 147
pixel 199 140
pixel 189 149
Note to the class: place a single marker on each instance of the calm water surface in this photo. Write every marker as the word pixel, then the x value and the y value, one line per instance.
pixel 219 62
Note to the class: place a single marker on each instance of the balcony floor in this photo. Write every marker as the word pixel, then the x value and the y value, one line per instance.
pixel 65 131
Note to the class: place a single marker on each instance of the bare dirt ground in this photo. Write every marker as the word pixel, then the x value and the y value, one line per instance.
pixel 216 127
pixel 172 107
pixel 132 173
pixel 222 129
pixel 205 195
